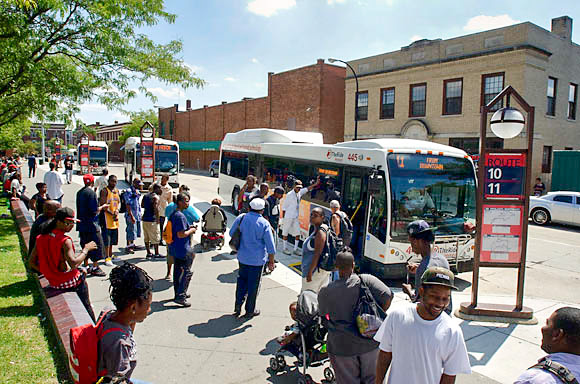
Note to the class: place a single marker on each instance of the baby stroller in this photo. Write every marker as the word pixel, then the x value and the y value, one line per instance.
pixel 309 346
pixel 214 223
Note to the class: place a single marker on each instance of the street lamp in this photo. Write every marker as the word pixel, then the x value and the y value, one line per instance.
pixel 331 60
pixel 507 122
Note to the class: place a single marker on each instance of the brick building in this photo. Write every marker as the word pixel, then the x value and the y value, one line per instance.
pixel 110 134
pixel 434 89
pixel 51 130
pixel 310 98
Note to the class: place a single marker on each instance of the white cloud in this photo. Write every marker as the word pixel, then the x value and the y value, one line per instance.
pixel 171 93
pixel 269 8
pixel 484 23
pixel 230 79
pixel 254 60
pixel 331 2
pixel 214 85
pixel 416 37
pixel 92 107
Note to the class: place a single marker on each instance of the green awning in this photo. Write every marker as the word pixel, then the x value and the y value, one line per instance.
pixel 200 145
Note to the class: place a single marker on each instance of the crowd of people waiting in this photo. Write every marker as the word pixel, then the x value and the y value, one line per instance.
pixel 420 325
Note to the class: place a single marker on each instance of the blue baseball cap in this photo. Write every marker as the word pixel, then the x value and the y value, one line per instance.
pixel 418 226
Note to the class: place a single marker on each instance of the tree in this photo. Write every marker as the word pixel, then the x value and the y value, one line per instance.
pixel 137 121
pixel 57 54
pixel 11 136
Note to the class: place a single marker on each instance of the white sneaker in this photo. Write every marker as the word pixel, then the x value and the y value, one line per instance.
pixel 297 252
pixel 109 263
pixel 287 251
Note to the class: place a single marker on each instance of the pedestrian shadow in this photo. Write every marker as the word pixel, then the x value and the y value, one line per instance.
pixel 229 278
pixel 270 348
pixel 288 375
pixel 220 327
pixel 161 285
pixel 222 257
pixel 164 305
pixel 484 340
pixel 20 288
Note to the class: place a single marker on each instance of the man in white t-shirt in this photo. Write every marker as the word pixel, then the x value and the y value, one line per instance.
pixel 419 342
pixel 561 340
pixel 101 182
pixel 54 182
pixel 290 213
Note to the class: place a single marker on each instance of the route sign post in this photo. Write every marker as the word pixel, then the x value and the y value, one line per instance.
pixel 84 154
pixel 502 206
pixel 147 153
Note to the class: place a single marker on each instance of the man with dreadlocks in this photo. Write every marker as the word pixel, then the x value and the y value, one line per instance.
pixel 131 293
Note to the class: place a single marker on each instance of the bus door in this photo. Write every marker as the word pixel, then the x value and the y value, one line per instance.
pixel 354 204
pixel 377 223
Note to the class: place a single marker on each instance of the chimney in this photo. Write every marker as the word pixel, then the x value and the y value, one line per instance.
pixel 188 105
pixel 116 122
pixel 205 106
pixel 224 102
pixel 176 107
pixel 320 61
pixel 562 26
pixel 97 123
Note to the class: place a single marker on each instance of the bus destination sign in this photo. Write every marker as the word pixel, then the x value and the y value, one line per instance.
pixel 505 175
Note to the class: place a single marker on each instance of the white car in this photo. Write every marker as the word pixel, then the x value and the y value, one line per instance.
pixel 559 207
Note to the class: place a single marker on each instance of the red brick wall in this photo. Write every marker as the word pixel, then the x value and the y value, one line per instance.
pixel 332 104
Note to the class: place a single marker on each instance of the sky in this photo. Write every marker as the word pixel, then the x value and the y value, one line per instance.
pixel 233 44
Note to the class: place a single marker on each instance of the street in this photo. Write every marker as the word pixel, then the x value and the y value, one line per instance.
pixel 205 343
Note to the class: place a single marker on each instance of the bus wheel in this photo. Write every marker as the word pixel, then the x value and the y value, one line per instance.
pixel 235 195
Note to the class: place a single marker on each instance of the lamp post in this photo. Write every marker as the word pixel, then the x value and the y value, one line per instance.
pixel 331 60
pixel 502 207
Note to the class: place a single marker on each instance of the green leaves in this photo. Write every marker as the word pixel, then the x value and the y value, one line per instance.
pixel 58 54
pixel 137 121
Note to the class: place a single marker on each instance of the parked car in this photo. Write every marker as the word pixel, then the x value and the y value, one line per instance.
pixel 214 168
pixel 558 207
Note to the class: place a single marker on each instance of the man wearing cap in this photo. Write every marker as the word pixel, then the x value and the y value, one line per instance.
pixel 561 340
pixel 256 249
pixel 88 227
pixel 49 209
pixel 418 341
pixel 54 256
pixel 421 237
pixel 291 212
pixel 273 216
pixel 133 213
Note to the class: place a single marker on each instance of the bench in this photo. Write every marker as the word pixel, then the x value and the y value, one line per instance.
pixel 66 309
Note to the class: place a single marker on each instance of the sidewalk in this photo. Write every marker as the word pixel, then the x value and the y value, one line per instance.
pixel 205 343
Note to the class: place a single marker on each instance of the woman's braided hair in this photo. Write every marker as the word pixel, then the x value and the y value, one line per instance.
pixel 128 283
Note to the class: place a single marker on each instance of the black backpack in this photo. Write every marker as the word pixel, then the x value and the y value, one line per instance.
pixel 346 228
pixel 368 315
pixel 123 207
pixel 334 245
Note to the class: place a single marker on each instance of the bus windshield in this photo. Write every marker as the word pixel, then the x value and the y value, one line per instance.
pixel 166 162
pixel 437 189
pixel 98 155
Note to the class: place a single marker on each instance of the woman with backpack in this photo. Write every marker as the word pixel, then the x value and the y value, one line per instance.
pixel 131 293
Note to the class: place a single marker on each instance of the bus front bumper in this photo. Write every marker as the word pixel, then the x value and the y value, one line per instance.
pixel 383 271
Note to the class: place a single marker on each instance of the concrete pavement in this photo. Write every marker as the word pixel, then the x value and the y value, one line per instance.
pixel 205 343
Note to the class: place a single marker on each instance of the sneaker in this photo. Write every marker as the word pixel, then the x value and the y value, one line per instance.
pixel 97 272
pixel 287 251
pixel 188 295
pixel 237 312
pixel 149 256
pixel 130 250
pixel 158 256
pixel 297 252
pixel 184 303
pixel 250 315
pixel 109 263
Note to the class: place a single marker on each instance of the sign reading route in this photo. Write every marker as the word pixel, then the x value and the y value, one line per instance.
pixel 505 175
pixel 501 234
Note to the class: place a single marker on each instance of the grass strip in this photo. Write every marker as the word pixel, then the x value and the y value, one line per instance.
pixel 28 346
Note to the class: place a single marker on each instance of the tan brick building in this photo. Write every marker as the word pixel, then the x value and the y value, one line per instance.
pixel 434 89
pixel 310 98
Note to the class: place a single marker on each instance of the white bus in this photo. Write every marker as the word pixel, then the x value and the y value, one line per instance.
pixel 166 159
pixel 382 184
pixel 98 157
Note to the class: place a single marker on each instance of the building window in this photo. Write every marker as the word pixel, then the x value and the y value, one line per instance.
pixel 418 96
pixel 162 124
pixel 452 96
pixel 547 159
pixel 572 97
pixel 362 106
pixel 468 144
pixel 551 108
pixel 171 125
pixel 491 85
pixel 387 103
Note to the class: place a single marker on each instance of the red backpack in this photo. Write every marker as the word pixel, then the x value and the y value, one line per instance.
pixel 84 344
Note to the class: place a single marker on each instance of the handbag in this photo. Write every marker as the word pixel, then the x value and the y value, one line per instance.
pixel 368 314
pixel 237 236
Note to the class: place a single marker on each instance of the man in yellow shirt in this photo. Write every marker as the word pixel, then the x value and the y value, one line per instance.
pixel 110 227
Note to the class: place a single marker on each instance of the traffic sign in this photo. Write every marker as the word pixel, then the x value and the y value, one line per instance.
pixel 505 175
